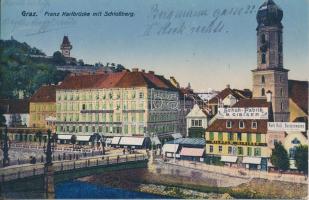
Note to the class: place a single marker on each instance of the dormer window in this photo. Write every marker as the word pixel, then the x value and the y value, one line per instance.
pixel 254 125
pixel 229 124
pixel 241 124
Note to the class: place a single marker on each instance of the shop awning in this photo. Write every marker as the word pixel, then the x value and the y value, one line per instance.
pixel 115 140
pixel 198 152
pixel 132 141
pixel 251 160
pixel 176 135
pixel 171 148
pixel 83 138
pixel 64 137
pixel 108 140
pixel 230 159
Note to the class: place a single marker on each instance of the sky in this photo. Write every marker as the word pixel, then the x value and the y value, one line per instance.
pixel 209 43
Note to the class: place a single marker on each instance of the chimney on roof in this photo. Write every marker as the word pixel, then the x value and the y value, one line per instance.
pixel 151 72
pixel 134 69
pixel 228 86
pixel 268 96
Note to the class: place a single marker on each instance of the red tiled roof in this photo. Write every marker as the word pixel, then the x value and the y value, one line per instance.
pixel 298 92
pixel 84 81
pixel 136 79
pixel 14 106
pixel 110 80
pixel 238 94
pixel 219 125
pixel 46 93
pixel 243 103
pixel 124 79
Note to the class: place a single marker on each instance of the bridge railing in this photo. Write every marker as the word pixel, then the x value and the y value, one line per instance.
pixel 17 172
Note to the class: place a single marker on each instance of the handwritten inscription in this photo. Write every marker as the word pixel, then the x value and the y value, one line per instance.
pixel 179 22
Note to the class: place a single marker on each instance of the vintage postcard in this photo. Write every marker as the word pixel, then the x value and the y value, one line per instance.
pixel 154 99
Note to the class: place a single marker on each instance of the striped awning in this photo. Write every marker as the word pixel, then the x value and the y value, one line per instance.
pixel 83 138
pixel 251 160
pixel 230 159
pixel 64 137
pixel 198 152
pixel 115 140
pixel 132 141
pixel 171 148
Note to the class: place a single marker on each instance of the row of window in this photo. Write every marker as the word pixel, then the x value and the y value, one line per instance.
pixel 241 124
pixel 103 129
pixel 133 105
pixel 38 117
pixel 97 96
pixel 165 128
pixel 42 107
pixel 196 123
pixel 236 136
pixel 102 117
pixel 158 117
pixel 237 150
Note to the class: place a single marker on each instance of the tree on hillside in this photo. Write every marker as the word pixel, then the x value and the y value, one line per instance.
pixel 279 157
pixel 301 158
pixel 58 58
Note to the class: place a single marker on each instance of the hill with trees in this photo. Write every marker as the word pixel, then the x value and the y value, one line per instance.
pixel 23 69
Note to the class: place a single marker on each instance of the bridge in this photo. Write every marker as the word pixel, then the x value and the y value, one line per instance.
pixel 16 172
pixel 27 181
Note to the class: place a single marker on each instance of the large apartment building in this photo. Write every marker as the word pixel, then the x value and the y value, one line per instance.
pixel 126 103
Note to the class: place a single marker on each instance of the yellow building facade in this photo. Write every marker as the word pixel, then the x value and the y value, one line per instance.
pixel 236 144
pixel 43 106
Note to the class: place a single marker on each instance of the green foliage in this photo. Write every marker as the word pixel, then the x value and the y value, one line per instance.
pixel 58 58
pixel 279 157
pixel 301 158
pixel 24 69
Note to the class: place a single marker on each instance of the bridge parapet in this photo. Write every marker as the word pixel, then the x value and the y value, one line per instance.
pixel 27 170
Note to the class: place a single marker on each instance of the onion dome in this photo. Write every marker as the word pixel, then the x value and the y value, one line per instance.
pixel 269 14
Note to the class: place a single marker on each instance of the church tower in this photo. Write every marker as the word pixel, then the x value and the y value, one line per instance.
pixel 270 75
pixel 66 46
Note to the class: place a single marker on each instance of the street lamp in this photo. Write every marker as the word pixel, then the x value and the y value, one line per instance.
pixel 48 150
pixel 48 170
pixel 5 148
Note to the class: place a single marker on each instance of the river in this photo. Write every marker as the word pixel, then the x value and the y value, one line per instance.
pixel 82 190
